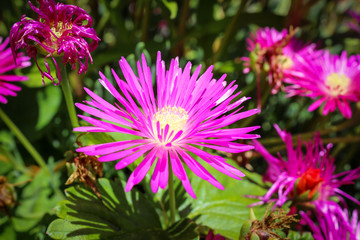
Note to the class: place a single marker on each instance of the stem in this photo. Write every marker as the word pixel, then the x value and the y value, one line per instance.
pixel 229 32
pixel 172 196
pixel 35 154
pixel 65 85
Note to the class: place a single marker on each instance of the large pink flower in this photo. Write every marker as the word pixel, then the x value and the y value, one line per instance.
pixel 7 88
pixel 310 174
pixel 334 80
pixel 188 114
pixel 59 31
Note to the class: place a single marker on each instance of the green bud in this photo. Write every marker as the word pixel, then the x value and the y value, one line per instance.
pixel 244 231
pixel 266 67
pixel 254 236
pixel 304 196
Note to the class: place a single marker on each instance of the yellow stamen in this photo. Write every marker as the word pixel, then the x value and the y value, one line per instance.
pixel 175 117
pixel 285 61
pixel 338 84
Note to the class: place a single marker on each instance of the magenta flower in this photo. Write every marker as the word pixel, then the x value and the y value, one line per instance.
pixel 332 79
pixel 187 114
pixel 7 88
pixel 355 24
pixel 309 176
pixel 59 31
pixel 275 53
pixel 332 222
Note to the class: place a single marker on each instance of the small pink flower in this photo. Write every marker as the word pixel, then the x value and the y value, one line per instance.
pixel 59 31
pixel 7 88
pixel 312 171
pixel 189 113
pixel 333 80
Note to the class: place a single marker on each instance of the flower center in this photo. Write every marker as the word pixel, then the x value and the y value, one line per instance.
pixel 338 84
pixel 175 117
pixel 285 61
pixel 309 181
pixel 57 31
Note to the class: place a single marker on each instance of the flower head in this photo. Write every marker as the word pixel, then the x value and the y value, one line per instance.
pixel 332 79
pixel 188 113
pixel 275 53
pixel 307 176
pixel 7 88
pixel 332 222
pixel 59 31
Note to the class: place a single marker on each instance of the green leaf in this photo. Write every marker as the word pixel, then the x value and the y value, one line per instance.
pixel 7 232
pixel 299 236
pixel 173 8
pixel 49 102
pixel 36 200
pixel 117 215
pixel 225 211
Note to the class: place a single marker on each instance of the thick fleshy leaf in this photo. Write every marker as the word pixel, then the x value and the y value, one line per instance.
pixel 117 215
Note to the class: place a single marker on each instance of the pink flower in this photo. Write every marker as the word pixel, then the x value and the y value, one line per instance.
pixel 334 80
pixel 59 31
pixel 275 53
pixel 7 88
pixel 309 173
pixel 212 236
pixel 187 114
pixel 355 24
pixel 332 222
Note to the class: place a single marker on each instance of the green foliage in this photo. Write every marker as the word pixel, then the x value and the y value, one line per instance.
pixel 117 215
pixel 298 236
pixel 225 211
pixel 49 102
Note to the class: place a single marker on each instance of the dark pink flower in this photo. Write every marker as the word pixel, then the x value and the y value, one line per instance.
pixel 7 88
pixel 310 173
pixel 333 80
pixel 212 236
pixel 59 31
pixel 355 24
pixel 188 112
pixel 275 53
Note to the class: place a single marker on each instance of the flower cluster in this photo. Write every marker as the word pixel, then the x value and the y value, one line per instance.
pixel 333 80
pixel 7 88
pixel 308 180
pixel 188 113
pixel 59 31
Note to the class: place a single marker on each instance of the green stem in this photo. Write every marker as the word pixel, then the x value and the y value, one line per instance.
pixel 304 136
pixel 35 154
pixel 172 196
pixel 65 85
